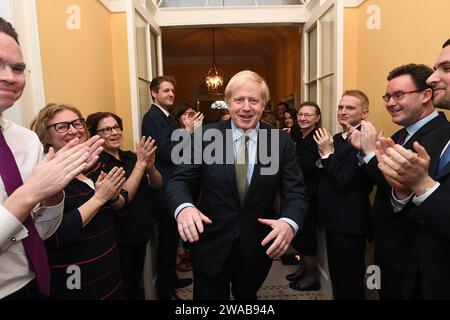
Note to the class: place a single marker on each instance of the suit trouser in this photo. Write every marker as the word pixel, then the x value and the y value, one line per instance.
pixel 391 281
pixel 28 292
pixel 346 264
pixel 243 287
pixel 132 258
pixel 305 242
pixel 166 254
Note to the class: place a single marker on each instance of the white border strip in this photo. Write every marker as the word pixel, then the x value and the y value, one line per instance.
pixel 353 3
pixel 114 5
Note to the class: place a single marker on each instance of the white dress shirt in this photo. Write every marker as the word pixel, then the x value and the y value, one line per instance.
pixel 14 269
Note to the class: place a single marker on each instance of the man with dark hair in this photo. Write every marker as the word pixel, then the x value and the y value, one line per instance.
pixel 31 197
pixel 421 182
pixel 8 29
pixel 282 107
pixel 440 79
pixel 409 101
pixel 159 125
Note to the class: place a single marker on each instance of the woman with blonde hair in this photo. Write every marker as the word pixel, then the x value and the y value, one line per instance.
pixel 82 253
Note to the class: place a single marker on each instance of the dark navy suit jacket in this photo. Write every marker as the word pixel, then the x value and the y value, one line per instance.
pixel 232 219
pixel 160 127
pixel 343 191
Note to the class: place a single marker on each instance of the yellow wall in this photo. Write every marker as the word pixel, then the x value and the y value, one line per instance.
pixel 412 31
pixel 121 75
pixel 283 67
pixel 86 67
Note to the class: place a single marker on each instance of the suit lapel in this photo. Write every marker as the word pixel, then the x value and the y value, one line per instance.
pixel 434 167
pixel 255 180
pixel 157 110
pixel 255 175
pixel 445 171
pixel 434 148
pixel 431 125
pixel 229 167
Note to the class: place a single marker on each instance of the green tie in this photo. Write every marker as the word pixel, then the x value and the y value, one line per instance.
pixel 240 167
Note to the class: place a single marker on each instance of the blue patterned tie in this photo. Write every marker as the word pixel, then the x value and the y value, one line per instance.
pixel 33 244
pixel 444 159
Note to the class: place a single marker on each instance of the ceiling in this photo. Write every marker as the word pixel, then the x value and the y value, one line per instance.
pixel 231 43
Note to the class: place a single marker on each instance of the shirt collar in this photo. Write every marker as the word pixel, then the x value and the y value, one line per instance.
pixel 237 133
pixel 412 129
pixel 162 109
pixel 3 123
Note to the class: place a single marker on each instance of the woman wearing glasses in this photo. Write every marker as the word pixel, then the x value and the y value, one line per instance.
pixel 135 226
pixel 305 278
pixel 82 253
pixel 186 117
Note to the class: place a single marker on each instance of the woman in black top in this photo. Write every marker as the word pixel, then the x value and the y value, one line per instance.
pixel 290 124
pixel 82 253
pixel 134 228
pixel 305 278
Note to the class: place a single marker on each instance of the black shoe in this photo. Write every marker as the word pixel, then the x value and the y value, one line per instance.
pixel 172 296
pixel 297 274
pixel 181 283
pixel 313 287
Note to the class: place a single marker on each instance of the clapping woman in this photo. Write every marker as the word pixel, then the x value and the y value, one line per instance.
pixel 306 277
pixel 82 253
pixel 135 226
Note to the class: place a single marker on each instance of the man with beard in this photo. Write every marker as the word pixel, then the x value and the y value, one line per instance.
pixel 421 187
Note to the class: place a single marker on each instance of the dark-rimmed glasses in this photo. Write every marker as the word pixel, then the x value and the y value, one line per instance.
pixel 399 95
pixel 108 130
pixel 62 127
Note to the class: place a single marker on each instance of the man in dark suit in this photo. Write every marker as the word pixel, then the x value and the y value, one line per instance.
pixel 343 200
pixel 158 124
pixel 408 99
pixel 421 184
pixel 234 231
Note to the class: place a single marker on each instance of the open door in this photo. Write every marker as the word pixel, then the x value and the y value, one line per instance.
pixel 145 63
pixel 323 59
pixel 145 57
pixel 322 82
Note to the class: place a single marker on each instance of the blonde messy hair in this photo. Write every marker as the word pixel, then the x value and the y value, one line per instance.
pixel 244 77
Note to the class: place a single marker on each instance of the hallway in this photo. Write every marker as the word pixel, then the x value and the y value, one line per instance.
pixel 276 287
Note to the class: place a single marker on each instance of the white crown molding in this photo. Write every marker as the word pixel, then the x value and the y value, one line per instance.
pixel 114 5
pixel 231 15
pixel 353 3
